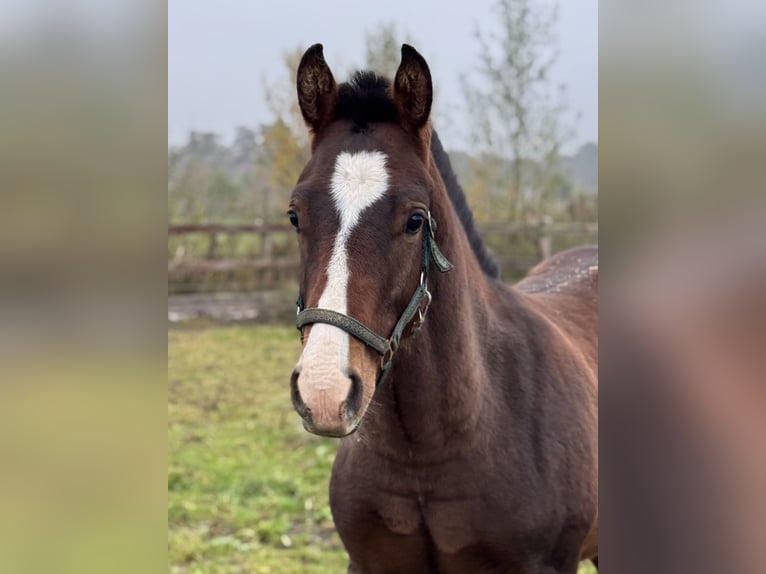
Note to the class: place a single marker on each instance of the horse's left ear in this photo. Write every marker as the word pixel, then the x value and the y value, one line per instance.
pixel 413 91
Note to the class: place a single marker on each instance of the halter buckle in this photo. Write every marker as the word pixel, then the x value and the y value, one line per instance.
pixel 422 311
pixel 387 356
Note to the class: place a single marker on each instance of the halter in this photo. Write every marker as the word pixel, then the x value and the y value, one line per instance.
pixel 419 303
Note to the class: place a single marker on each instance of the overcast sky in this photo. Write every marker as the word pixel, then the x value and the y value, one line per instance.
pixel 221 51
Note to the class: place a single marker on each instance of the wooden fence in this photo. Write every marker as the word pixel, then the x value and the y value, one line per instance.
pixel 543 238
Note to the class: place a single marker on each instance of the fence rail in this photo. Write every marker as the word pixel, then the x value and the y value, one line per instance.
pixel 208 228
pixel 270 266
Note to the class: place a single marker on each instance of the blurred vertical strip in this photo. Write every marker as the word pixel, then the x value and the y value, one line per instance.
pixel 683 286
pixel 83 136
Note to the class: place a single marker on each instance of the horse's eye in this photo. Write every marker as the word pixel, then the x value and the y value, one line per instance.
pixel 414 223
pixel 293 218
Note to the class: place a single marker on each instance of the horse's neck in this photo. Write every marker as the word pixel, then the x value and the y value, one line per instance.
pixel 438 384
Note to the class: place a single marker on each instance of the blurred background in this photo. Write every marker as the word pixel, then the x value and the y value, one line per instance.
pixel 516 106
pixel 682 298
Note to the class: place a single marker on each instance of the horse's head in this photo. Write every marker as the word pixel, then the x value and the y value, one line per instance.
pixel 361 208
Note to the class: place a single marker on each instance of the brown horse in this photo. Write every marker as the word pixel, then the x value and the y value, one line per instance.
pixel 468 408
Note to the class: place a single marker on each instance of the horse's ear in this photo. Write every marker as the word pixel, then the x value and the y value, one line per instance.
pixel 413 91
pixel 317 91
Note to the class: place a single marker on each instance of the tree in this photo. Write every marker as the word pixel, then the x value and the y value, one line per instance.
pixel 516 116
pixel 278 164
pixel 281 99
pixel 283 149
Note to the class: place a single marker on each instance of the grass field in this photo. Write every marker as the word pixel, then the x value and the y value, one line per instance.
pixel 247 486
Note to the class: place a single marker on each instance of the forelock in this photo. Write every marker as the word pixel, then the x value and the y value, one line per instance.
pixel 366 99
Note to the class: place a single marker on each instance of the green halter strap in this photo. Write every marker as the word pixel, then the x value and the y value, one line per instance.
pixel 418 305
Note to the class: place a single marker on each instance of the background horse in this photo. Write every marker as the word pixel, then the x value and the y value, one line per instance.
pixel 468 408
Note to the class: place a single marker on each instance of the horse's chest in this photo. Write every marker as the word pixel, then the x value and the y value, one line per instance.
pixel 444 509
pixel 449 525
pixel 436 522
pixel 400 514
pixel 452 525
pixel 429 534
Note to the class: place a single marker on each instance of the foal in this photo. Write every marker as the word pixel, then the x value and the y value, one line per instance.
pixel 468 408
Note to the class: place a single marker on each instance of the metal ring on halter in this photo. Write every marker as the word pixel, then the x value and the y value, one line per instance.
pixel 387 355
pixel 422 311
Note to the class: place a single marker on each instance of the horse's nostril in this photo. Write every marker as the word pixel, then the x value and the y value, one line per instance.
pixel 295 395
pixel 354 399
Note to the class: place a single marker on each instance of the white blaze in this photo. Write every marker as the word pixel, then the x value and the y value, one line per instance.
pixel 359 180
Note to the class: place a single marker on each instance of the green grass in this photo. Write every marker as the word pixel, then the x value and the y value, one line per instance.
pixel 247 486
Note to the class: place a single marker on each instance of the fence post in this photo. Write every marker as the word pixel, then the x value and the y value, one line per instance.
pixel 268 251
pixel 212 249
pixel 544 240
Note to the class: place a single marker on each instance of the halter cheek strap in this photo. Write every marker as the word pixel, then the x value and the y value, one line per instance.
pixel 418 305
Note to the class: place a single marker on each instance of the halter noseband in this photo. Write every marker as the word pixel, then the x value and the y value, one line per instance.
pixel 419 303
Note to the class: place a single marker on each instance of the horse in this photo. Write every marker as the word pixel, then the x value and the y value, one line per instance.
pixel 467 407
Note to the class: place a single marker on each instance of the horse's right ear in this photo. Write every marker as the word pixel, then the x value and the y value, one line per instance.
pixel 317 92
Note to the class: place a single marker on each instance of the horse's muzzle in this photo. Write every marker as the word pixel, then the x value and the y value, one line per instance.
pixel 328 405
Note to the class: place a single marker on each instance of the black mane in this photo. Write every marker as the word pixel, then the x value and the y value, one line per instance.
pixel 457 195
pixel 365 99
